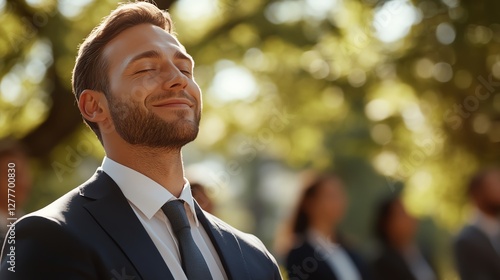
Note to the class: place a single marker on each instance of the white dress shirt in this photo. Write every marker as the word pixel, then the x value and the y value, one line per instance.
pixel 146 197
pixel 335 256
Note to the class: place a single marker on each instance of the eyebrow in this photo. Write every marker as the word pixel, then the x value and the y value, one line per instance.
pixel 181 55
pixel 146 54
pixel 156 54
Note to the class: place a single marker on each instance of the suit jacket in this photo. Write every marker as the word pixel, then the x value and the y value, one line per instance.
pixel 93 233
pixel 303 262
pixel 475 256
pixel 390 265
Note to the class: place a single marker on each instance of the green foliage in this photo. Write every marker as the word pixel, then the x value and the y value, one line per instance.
pixel 295 83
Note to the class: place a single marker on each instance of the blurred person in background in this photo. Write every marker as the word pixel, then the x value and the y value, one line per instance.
pixel 200 195
pixel 319 252
pixel 400 257
pixel 12 154
pixel 477 246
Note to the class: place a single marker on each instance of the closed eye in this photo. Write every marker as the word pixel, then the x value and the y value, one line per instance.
pixel 186 72
pixel 144 71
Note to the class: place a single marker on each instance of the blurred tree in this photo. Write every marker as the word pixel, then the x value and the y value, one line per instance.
pixel 382 91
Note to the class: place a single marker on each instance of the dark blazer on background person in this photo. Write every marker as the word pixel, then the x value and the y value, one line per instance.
pixel 93 233
pixel 390 265
pixel 475 256
pixel 313 266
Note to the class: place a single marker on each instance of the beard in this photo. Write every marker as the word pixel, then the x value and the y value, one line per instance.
pixel 493 208
pixel 141 128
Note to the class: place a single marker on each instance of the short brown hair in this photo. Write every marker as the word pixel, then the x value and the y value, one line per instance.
pixel 90 70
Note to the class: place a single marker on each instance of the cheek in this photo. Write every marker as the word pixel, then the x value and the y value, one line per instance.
pixel 333 207
pixel 339 209
pixel 496 190
pixel 403 225
pixel 492 192
pixel 141 88
pixel 201 101
pixel 195 92
pixel 316 209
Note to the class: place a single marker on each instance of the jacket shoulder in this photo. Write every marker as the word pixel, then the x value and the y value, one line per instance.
pixel 254 252
pixel 301 250
pixel 45 246
pixel 244 238
pixel 68 209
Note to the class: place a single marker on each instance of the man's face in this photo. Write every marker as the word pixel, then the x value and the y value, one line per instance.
pixel 153 99
pixel 491 191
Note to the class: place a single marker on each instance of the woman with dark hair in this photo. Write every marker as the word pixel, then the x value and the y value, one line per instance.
pixel 319 253
pixel 400 257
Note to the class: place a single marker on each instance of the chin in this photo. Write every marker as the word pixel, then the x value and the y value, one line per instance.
pixel 175 118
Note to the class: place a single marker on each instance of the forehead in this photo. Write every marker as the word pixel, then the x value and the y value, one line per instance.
pixel 135 40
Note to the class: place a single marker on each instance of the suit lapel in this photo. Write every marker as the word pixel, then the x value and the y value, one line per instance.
pixel 114 214
pixel 226 245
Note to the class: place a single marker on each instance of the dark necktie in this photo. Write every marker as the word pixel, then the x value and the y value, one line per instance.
pixel 193 263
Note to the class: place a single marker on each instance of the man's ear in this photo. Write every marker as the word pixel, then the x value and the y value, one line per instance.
pixel 93 105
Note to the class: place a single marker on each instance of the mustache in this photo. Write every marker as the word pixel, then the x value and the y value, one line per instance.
pixel 166 95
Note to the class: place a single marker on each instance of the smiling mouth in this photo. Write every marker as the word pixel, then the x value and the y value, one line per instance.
pixel 175 103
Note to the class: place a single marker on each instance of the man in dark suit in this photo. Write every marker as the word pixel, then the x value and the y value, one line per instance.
pixel 135 218
pixel 477 246
pixel 309 262
pixel 400 257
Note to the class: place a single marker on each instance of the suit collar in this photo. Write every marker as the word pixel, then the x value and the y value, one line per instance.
pixel 112 211
pixel 95 188
pixel 226 245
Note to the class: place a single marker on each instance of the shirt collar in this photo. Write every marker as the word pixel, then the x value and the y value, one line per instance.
pixel 318 240
pixel 144 193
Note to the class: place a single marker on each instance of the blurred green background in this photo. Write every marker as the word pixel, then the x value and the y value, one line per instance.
pixel 382 92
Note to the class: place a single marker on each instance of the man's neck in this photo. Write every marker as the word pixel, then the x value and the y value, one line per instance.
pixel 162 165
pixel 402 245
pixel 326 230
pixel 489 212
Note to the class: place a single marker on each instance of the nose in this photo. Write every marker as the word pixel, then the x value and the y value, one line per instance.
pixel 174 79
